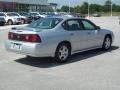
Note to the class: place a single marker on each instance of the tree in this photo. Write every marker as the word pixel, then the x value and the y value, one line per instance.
pixel 84 8
pixel 106 7
pixel 95 8
pixel 65 9
pixel 77 9
pixel 108 2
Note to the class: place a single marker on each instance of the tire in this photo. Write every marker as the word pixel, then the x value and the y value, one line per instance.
pixel 10 22
pixel 62 53
pixel 107 43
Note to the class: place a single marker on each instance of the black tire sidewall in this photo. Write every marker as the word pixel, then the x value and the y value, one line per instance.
pixel 103 47
pixel 57 59
pixel 10 22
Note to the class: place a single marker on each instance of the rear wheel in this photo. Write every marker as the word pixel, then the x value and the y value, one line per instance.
pixel 62 53
pixel 107 43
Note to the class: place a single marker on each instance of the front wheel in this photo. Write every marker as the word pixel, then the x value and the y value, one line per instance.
pixel 107 43
pixel 22 21
pixel 10 22
pixel 62 53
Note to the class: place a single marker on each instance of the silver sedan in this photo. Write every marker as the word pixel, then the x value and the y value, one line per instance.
pixel 58 37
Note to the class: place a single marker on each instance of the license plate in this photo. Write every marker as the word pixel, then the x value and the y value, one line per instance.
pixel 16 46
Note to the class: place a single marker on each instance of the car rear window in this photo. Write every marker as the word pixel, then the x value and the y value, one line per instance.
pixel 45 23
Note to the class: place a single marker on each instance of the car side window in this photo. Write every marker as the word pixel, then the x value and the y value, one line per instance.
pixel 72 25
pixel 88 25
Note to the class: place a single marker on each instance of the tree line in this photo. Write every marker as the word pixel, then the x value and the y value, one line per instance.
pixel 93 8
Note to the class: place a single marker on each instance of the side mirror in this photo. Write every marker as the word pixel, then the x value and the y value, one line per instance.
pixel 98 27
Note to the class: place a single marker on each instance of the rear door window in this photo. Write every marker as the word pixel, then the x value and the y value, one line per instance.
pixel 72 24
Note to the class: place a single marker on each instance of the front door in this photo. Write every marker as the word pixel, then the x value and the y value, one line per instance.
pixel 92 33
pixel 78 37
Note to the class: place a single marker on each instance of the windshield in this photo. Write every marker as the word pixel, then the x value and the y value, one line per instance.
pixel 46 23
pixel 23 14
pixel 1 14
pixel 33 14
pixel 12 14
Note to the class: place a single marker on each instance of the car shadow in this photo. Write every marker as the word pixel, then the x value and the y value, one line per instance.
pixel 50 62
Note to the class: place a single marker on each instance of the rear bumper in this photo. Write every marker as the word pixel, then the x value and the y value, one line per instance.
pixel 28 20
pixel 30 49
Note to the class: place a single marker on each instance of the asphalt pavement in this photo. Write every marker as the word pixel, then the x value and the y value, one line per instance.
pixel 91 70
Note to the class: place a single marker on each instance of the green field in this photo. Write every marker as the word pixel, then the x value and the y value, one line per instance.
pixel 107 14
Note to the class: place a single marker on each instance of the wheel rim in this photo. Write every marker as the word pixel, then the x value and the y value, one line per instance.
pixel 9 22
pixel 22 21
pixel 107 43
pixel 63 53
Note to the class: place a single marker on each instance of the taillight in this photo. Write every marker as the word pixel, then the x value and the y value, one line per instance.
pixel 35 38
pixel 32 38
pixel 24 37
pixel 10 35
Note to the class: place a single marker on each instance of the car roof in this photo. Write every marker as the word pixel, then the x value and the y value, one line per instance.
pixel 65 17
pixel 3 12
pixel 33 12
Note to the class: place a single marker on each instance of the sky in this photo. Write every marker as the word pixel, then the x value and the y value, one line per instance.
pixel 79 2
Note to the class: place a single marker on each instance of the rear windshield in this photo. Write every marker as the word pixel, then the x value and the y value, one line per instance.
pixel 45 23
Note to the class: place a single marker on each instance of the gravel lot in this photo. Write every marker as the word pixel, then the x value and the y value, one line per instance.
pixel 91 70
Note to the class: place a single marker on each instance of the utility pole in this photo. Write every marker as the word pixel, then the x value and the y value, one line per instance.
pixel 69 7
pixel 88 8
pixel 111 8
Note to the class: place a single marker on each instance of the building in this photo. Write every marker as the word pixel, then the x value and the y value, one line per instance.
pixel 23 5
pixel 54 6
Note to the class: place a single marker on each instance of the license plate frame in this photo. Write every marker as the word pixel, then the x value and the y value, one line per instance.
pixel 16 46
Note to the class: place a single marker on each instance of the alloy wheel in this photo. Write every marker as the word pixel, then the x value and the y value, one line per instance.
pixel 62 53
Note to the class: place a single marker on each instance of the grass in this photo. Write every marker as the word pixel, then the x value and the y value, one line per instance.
pixel 108 14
